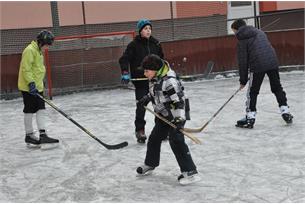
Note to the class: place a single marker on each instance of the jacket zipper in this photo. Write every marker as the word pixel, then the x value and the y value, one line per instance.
pixel 148 46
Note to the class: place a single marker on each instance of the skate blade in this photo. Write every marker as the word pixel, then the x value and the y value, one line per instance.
pixel 33 146
pixel 147 173
pixel 241 126
pixel 187 181
pixel 48 146
pixel 141 142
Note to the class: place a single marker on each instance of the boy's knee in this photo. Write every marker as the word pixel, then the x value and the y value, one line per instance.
pixel 176 138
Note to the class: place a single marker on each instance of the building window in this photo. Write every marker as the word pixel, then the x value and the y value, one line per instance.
pixel 240 3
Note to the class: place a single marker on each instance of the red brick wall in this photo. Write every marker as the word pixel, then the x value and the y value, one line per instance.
pixel 200 8
pixel 266 6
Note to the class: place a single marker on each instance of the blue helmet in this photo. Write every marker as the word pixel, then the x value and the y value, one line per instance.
pixel 142 23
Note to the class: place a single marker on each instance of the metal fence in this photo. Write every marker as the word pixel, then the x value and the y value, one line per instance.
pixel 176 32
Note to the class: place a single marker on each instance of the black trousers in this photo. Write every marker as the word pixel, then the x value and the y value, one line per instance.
pixel 141 90
pixel 177 143
pixel 255 82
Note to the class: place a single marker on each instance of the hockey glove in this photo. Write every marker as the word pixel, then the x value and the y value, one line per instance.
pixel 125 78
pixel 32 88
pixel 144 100
pixel 179 122
pixel 159 108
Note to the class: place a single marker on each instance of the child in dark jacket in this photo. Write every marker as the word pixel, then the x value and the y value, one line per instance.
pixel 143 45
pixel 255 53
pixel 167 96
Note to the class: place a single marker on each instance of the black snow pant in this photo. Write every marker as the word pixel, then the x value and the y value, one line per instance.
pixel 255 82
pixel 177 143
pixel 141 90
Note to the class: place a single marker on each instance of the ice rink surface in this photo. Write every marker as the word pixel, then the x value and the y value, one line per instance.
pixel 264 164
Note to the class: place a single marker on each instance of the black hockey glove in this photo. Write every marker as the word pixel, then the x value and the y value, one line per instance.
pixel 144 100
pixel 32 89
pixel 179 122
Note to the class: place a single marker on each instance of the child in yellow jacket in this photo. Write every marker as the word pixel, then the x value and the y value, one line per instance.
pixel 30 83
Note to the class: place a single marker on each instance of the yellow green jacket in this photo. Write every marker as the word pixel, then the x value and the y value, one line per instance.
pixel 32 68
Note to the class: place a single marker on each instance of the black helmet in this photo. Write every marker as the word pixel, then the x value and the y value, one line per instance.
pixel 45 37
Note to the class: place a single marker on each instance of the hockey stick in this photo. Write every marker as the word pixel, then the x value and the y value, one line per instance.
pixel 209 69
pixel 139 79
pixel 115 146
pixel 192 137
pixel 201 128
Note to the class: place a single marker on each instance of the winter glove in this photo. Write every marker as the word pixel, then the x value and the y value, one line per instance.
pixel 144 100
pixel 125 78
pixel 32 88
pixel 179 122
pixel 159 108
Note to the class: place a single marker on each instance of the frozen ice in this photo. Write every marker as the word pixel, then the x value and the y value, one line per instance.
pixel 264 164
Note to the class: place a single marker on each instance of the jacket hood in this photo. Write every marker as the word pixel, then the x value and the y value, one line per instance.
pixel 35 44
pixel 171 73
pixel 165 71
pixel 246 32
pixel 168 71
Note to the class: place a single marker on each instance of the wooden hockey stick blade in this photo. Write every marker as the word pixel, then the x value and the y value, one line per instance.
pixel 192 137
pixel 194 130
pixel 189 135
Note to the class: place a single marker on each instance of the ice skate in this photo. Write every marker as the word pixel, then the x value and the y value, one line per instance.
pixel 189 177
pixel 245 123
pixel 248 121
pixel 145 170
pixel 286 115
pixel 141 137
pixel 47 142
pixel 32 141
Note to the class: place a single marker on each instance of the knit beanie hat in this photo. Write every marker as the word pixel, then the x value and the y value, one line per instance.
pixel 142 23
pixel 152 62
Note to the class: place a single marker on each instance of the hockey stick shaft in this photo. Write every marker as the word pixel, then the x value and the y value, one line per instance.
pixel 139 79
pixel 192 137
pixel 215 114
pixel 116 146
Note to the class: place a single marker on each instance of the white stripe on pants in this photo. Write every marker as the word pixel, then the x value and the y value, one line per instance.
pixel 248 92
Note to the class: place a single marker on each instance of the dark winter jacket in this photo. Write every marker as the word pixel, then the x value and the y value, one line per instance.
pixel 135 53
pixel 254 52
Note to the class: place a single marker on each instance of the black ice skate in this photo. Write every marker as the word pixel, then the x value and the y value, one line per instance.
pixel 47 142
pixel 141 137
pixel 32 141
pixel 287 117
pixel 189 177
pixel 245 123
pixel 145 170
pixel 286 114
